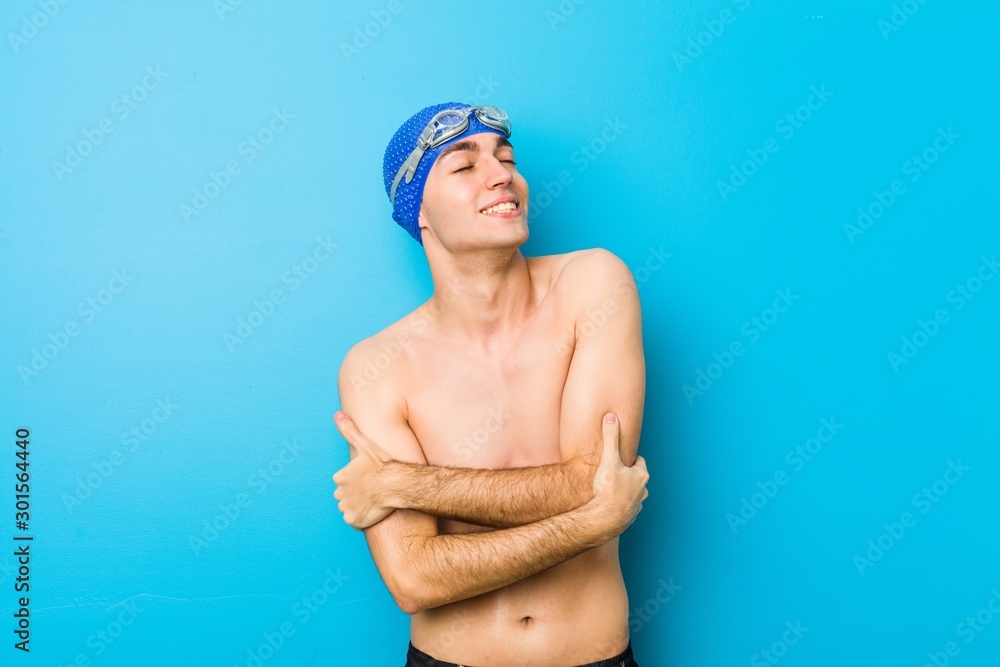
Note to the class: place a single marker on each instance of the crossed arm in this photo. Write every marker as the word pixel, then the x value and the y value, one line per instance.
pixel 550 512
pixel 374 484
pixel 498 498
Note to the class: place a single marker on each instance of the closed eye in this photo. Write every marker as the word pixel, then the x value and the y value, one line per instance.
pixel 510 161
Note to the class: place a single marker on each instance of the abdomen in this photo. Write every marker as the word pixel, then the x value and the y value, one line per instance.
pixel 573 613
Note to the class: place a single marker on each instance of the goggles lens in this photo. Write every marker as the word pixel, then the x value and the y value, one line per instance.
pixel 445 125
pixel 442 127
pixel 495 117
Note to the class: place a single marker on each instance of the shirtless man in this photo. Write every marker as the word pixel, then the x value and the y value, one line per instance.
pixel 494 430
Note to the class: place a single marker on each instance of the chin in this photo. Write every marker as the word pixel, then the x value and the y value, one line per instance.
pixel 510 240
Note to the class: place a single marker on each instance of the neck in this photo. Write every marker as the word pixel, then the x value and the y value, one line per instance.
pixel 481 297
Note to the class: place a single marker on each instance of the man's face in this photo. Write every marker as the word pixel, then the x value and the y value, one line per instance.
pixel 463 190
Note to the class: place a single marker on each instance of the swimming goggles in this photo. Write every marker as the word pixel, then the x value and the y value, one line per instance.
pixel 446 125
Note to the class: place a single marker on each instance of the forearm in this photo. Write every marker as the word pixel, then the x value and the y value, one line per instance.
pixel 448 568
pixel 498 498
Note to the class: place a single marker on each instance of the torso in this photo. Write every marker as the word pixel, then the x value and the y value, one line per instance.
pixel 500 408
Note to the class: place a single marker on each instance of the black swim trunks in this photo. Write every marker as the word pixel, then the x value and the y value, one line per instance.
pixel 417 658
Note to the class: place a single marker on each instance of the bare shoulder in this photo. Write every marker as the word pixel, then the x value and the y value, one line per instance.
pixel 372 390
pixel 371 367
pixel 575 264
pixel 591 259
pixel 381 368
pixel 593 273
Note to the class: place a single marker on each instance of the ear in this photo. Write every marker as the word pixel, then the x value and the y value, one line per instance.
pixel 422 215
pixel 424 227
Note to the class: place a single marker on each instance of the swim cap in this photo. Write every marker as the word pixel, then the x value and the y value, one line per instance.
pixel 406 209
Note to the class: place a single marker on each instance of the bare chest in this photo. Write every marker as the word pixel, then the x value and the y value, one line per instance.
pixel 495 409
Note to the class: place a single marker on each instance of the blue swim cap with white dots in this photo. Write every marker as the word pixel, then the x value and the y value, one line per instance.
pixel 406 210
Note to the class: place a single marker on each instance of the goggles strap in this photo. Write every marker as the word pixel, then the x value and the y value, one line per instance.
pixel 427 141
pixel 408 169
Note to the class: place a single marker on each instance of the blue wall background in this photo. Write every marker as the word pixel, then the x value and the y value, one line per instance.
pixel 180 462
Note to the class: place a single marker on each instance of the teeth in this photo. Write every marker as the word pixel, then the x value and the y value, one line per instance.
pixel 505 207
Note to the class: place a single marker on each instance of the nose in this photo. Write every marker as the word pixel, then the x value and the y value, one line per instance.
pixel 497 173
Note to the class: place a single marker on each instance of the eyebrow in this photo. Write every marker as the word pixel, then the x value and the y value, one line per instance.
pixel 472 147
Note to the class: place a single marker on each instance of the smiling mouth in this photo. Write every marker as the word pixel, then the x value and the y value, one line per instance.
pixel 505 208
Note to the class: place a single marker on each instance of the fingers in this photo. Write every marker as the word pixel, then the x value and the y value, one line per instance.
pixel 349 519
pixel 346 427
pixel 356 439
pixel 612 433
pixel 376 452
pixel 352 435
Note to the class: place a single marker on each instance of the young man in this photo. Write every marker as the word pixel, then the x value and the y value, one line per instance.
pixel 488 428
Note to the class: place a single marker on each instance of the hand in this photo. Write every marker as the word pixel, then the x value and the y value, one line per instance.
pixel 619 489
pixel 360 484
